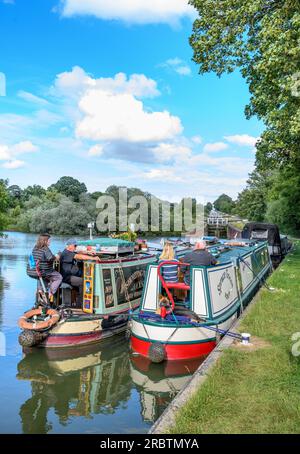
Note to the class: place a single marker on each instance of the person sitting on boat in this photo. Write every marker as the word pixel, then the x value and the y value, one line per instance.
pixel 44 259
pixel 198 257
pixel 72 273
pixel 169 272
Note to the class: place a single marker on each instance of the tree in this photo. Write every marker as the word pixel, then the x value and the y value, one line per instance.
pixel 261 38
pixel 14 191
pixel 69 186
pixel 252 201
pixel 35 190
pixel 14 195
pixel 207 209
pixel 284 200
pixel 224 203
pixel 4 199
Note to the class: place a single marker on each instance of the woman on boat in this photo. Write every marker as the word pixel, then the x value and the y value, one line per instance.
pixel 44 259
pixel 169 272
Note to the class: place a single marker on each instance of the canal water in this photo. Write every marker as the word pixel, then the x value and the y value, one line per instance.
pixel 95 390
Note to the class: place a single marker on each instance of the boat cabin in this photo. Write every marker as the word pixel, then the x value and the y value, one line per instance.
pixel 260 231
pixel 216 292
pixel 113 284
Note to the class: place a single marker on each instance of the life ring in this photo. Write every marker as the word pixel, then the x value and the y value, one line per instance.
pixel 26 322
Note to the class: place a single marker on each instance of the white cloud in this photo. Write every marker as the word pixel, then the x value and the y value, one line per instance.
pixel 75 82
pixel 29 97
pixel 15 164
pixel 162 174
pixel 23 147
pixel 214 147
pixel 243 140
pixel 131 11
pixel 72 84
pixel 177 65
pixel 170 151
pixel 109 109
pixel 9 153
pixel 4 152
pixel 183 70
pixel 197 139
pixel 96 150
pixel 111 117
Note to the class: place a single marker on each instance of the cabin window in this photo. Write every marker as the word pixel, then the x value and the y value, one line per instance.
pixel 108 289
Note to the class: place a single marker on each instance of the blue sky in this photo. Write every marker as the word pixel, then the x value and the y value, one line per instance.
pixel 106 92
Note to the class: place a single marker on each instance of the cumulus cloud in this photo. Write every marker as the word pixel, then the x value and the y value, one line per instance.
pixel 170 151
pixel 9 153
pixel 131 11
pixel 114 116
pixel 75 82
pixel 214 147
pixel 23 147
pixel 243 140
pixel 177 65
pixel 15 164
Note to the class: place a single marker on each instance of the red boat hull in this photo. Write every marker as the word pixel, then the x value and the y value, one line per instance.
pixel 174 351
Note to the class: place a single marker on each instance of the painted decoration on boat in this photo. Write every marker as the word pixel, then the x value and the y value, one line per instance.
pixel 216 295
pixel 108 288
pixel 88 287
pixel 130 280
pixel 222 288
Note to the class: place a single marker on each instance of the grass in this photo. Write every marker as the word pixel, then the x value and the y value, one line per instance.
pixel 255 391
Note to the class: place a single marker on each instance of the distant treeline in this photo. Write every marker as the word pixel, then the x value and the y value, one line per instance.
pixel 66 207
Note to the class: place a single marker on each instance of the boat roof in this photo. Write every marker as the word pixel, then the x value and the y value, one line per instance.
pixel 262 230
pixel 106 242
pixel 226 250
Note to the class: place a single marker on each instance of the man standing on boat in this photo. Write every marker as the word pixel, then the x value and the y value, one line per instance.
pixel 198 257
pixel 71 272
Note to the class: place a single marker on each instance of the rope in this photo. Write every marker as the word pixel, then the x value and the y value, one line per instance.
pixel 263 282
pixel 186 320
pixel 236 271
pixel 125 285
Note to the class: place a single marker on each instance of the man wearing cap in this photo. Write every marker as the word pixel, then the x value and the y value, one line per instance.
pixel 71 272
pixel 198 257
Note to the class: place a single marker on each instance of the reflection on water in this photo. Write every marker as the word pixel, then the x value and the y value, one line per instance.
pixel 78 383
pixel 99 389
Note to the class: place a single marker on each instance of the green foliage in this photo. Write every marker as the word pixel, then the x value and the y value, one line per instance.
pixel 224 203
pixel 70 187
pixel 127 236
pixel 35 190
pixel 261 38
pixel 284 200
pixel 207 209
pixel 4 201
pixel 252 201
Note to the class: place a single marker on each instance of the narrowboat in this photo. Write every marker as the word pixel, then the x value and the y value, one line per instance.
pixel 112 287
pixel 163 328
pixel 278 244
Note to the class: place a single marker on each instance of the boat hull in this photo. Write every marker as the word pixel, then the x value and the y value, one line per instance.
pixel 180 342
pixel 84 331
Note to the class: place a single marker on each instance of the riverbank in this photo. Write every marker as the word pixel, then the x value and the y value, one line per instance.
pixel 255 390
